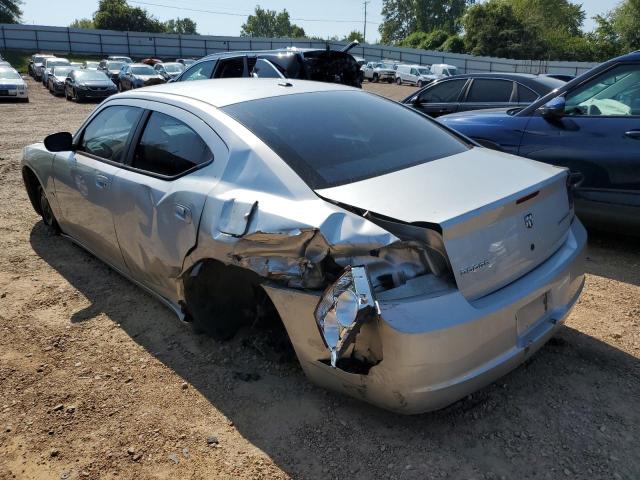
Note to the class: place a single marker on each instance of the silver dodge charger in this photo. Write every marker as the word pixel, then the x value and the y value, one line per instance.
pixel 409 266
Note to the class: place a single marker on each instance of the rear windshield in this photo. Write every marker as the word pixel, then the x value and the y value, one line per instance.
pixel 62 71
pixel 340 137
pixel 143 71
pixel 173 67
pixel 90 75
pixel 115 65
pixel 9 74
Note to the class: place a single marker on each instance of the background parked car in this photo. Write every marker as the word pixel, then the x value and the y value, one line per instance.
pixel 308 64
pixel 378 71
pixel 136 75
pixel 169 70
pixel 90 65
pixel 560 76
pixel 56 79
pixel 49 63
pixel 88 85
pixel 119 58
pixel 112 69
pixel 12 85
pixel 441 70
pixel 35 65
pixel 414 75
pixel 590 125
pixel 476 91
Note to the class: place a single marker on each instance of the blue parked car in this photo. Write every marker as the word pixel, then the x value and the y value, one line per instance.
pixel 590 125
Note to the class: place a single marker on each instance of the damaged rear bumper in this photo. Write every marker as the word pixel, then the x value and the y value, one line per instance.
pixel 436 350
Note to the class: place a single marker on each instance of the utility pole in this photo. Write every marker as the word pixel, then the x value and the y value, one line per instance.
pixel 364 34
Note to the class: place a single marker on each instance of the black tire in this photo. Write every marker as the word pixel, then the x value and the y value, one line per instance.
pixel 420 84
pixel 398 80
pixel 66 95
pixel 48 217
pixel 375 79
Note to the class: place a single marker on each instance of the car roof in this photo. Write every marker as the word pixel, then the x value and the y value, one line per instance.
pixel 227 91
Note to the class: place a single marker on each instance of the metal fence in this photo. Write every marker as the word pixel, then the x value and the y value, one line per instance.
pixel 99 43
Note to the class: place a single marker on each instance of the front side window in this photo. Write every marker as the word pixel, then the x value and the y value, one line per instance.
pixel 107 136
pixel 201 71
pixel 485 90
pixel 327 150
pixel 444 92
pixel 615 92
pixel 168 147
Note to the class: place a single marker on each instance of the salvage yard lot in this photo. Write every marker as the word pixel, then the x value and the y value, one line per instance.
pixel 99 380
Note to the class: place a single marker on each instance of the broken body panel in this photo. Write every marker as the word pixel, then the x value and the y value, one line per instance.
pixel 370 272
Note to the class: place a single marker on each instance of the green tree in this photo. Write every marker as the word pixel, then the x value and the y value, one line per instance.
pixel 118 15
pixel 82 23
pixel 493 29
pixel 605 42
pixel 10 11
pixel 426 41
pixel 404 17
pixel 453 44
pixel 185 26
pixel 354 35
pixel 625 21
pixel 269 23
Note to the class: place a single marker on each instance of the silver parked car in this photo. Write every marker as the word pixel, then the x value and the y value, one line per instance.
pixel 409 266
pixel 379 71
pixel 12 85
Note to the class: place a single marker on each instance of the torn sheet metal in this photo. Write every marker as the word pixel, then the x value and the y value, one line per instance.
pixel 344 307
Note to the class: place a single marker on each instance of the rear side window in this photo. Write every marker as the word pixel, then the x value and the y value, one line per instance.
pixel 370 136
pixel 526 95
pixel 168 147
pixel 444 92
pixel 107 135
pixel 230 68
pixel 201 71
pixel 490 91
pixel 264 69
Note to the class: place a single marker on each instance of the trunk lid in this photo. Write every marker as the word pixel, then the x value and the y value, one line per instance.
pixel 500 215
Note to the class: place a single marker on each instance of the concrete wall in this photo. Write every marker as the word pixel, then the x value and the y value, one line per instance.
pixel 99 43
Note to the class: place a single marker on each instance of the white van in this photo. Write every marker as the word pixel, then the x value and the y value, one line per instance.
pixel 441 70
pixel 419 75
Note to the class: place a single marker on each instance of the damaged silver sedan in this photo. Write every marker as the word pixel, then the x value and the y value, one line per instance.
pixel 408 266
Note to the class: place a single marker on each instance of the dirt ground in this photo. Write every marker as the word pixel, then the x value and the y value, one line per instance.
pixel 99 380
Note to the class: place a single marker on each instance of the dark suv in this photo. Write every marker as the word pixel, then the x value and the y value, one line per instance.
pixel 307 64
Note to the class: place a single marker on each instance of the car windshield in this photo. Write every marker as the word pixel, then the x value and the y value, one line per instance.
pixel 188 62
pixel 384 65
pixel 9 74
pixel 328 150
pixel 39 59
pixel 91 64
pixel 56 63
pixel 115 65
pixel 62 71
pixel 146 70
pixel 424 71
pixel 173 67
pixel 83 75
pixel 450 71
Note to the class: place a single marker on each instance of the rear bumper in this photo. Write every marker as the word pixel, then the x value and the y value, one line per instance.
pixel 438 350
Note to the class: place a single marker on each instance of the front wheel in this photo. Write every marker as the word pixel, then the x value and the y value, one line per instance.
pixel 399 81
pixel 48 217
pixel 420 84
pixel 375 78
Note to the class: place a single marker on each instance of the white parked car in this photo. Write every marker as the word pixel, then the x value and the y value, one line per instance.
pixel 378 71
pixel 409 266
pixel 441 70
pixel 419 75
pixel 12 85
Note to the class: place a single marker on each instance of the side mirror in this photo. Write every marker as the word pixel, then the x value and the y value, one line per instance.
pixel 59 142
pixel 553 109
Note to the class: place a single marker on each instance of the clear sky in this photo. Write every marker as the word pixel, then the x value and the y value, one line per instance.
pixel 320 17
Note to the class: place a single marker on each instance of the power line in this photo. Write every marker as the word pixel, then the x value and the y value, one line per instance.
pixel 236 14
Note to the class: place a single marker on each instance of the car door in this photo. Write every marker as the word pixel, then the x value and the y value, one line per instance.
pixel 440 98
pixel 84 179
pixel 413 76
pixel 488 93
pixel 598 139
pixel 162 194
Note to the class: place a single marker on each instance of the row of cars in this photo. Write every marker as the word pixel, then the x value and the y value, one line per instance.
pixel 419 75
pixel 91 80
pixel 12 85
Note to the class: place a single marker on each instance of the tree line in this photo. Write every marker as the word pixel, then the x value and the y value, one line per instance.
pixel 520 29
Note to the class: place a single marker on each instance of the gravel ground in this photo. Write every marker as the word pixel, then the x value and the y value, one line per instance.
pixel 98 380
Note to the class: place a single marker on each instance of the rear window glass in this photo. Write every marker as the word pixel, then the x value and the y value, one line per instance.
pixel 336 138
pixel 490 91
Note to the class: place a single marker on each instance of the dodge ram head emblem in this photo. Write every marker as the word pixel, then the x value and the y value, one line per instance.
pixel 528 220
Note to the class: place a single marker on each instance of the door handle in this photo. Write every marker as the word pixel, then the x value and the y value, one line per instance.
pixel 633 134
pixel 102 181
pixel 183 213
